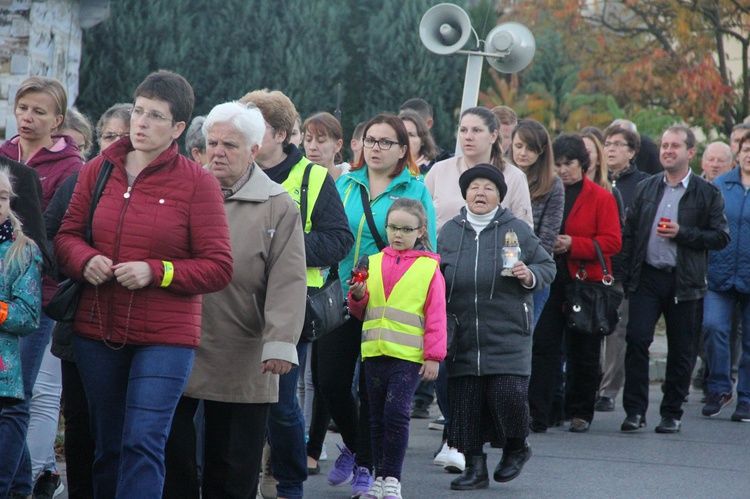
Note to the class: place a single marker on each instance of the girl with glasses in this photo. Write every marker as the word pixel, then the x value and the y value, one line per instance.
pixel 403 343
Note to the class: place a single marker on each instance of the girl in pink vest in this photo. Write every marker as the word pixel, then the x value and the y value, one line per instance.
pixel 397 354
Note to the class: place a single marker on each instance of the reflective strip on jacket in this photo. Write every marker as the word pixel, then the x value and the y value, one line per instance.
pixel 395 326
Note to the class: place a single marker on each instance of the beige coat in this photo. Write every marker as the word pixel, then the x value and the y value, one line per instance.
pixel 259 315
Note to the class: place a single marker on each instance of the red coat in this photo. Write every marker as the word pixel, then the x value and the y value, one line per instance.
pixel 175 212
pixel 593 216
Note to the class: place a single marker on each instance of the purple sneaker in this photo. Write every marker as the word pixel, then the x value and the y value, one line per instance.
pixel 361 482
pixel 343 469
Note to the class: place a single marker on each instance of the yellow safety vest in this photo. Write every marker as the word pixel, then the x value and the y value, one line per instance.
pixel 293 185
pixel 395 327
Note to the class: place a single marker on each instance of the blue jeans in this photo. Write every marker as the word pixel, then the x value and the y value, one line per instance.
pixel 15 460
pixel 718 308
pixel 132 395
pixel 286 435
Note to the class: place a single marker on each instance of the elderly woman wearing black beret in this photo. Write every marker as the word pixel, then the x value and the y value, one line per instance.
pixel 489 352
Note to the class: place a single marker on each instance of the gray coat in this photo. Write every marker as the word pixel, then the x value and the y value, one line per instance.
pixel 495 313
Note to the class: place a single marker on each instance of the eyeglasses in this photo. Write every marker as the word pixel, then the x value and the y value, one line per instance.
pixel 137 113
pixel 407 231
pixel 113 136
pixel 616 143
pixel 384 144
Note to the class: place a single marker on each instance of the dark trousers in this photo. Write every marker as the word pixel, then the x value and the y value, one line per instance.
pixel 425 393
pixel 79 446
pixel 320 415
pixel 338 352
pixel 390 385
pixel 655 296
pixel 546 362
pixel 235 434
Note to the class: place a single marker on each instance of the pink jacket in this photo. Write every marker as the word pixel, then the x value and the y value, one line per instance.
pixel 53 165
pixel 395 264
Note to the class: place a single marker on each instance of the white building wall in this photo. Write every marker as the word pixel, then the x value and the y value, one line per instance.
pixel 37 38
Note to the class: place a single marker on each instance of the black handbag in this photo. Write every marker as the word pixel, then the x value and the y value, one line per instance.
pixel 326 308
pixel 592 308
pixel 63 306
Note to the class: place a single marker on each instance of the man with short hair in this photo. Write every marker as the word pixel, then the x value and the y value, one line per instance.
pixel 675 219
pixel 717 159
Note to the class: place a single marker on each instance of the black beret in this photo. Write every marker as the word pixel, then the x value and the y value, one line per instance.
pixel 484 170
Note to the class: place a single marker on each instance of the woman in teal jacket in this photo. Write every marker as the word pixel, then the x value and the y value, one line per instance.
pixel 384 173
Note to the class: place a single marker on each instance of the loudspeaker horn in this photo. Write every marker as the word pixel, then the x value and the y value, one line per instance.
pixel 445 28
pixel 514 45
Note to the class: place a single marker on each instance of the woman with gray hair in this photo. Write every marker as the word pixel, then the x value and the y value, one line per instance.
pixel 113 125
pixel 250 329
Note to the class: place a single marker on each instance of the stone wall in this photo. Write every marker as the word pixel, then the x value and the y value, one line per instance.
pixel 40 38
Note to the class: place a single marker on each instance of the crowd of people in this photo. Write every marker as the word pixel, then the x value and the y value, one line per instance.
pixel 188 369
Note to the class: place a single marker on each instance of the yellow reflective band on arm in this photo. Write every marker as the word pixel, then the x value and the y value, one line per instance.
pixel 168 274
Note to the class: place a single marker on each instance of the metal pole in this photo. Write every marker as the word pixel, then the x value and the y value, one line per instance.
pixel 471 87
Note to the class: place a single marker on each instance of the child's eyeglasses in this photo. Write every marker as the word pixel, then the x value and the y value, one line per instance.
pixel 407 231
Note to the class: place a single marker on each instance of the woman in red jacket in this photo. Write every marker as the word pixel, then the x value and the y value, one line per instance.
pixel 590 214
pixel 160 240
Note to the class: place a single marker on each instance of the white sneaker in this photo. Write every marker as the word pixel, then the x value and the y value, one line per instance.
pixel 391 488
pixel 323 454
pixel 268 483
pixel 455 462
pixel 442 456
pixel 376 490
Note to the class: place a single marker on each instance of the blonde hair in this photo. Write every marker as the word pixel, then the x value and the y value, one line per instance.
pixel 19 253
pixel 49 86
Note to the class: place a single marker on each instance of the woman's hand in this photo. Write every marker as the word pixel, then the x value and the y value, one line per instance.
pixel 429 370
pixel 523 274
pixel 98 270
pixel 358 290
pixel 276 366
pixel 133 275
pixel 563 244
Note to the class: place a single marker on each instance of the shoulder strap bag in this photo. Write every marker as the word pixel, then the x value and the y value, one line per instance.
pixel 326 308
pixel 64 304
pixel 592 308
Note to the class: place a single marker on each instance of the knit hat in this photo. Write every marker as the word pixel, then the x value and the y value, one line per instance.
pixel 484 170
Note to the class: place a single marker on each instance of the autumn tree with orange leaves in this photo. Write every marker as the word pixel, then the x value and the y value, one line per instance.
pixel 669 54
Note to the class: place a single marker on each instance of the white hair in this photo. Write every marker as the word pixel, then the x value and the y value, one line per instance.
pixel 724 148
pixel 246 118
pixel 626 124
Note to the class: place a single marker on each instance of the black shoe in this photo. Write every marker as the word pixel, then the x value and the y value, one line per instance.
pixel 668 425
pixel 715 402
pixel 419 410
pixel 511 464
pixel 475 475
pixel 48 485
pixel 633 423
pixel 537 427
pixel 604 404
pixel 742 413
pixel 579 425
pixel 313 471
